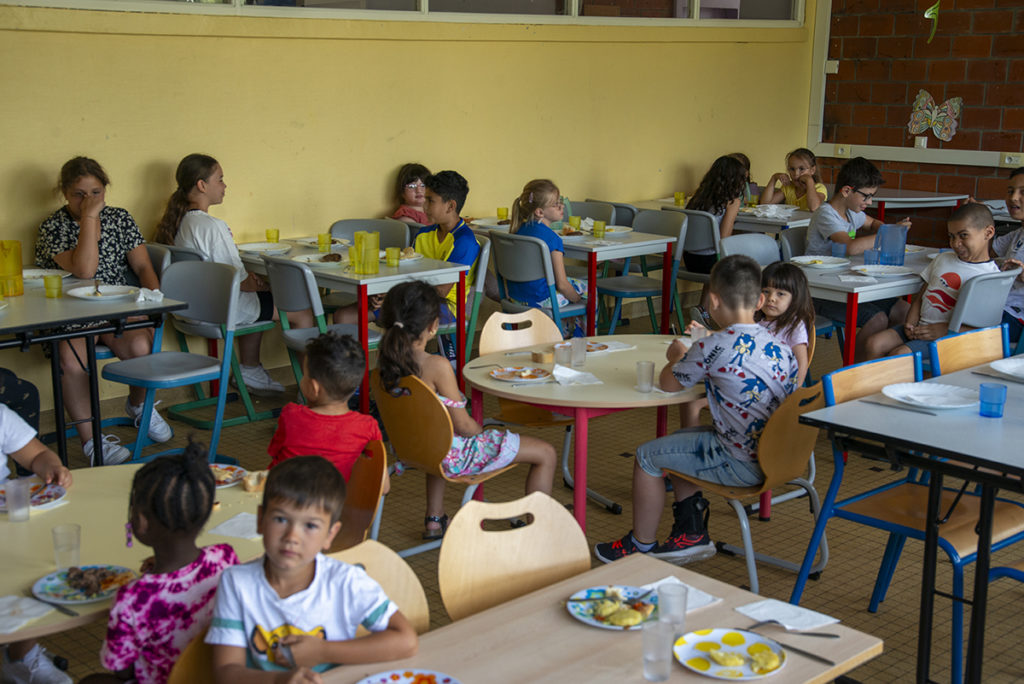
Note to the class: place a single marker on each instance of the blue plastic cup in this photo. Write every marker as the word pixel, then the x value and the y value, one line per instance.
pixel 838 249
pixel 871 256
pixel 993 397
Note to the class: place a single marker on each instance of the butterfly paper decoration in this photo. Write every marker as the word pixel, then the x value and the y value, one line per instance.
pixel 942 119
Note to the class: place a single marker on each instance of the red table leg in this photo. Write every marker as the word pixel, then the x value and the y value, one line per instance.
pixel 460 328
pixel 364 341
pixel 662 426
pixel 881 212
pixel 591 294
pixel 666 288
pixel 851 328
pixel 764 510
pixel 579 491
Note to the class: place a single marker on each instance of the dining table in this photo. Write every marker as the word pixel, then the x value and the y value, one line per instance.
pixel 533 638
pixel 32 318
pixel 97 501
pixel 617 391
pixel 958 443
pixel 747 219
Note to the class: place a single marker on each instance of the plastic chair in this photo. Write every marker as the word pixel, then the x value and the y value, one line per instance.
pixel 701 233
pixel 520 258
pixel 195 664
pixel 364 498
pixel 212 298
pixel 598 211
pixel 624 213
pixel 393 233
pixel 419 428
pixel 963 350
pixel 793 242
pixel 658 223
pixel 480 568
pixel 783 451
pixel 476 295
pixel 758 246
pixel 394 576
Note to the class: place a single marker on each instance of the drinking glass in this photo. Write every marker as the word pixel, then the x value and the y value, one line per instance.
pixel 67 541
pixel 563 353
pixel 679 198
pixel 574 222
pixel 11 283
pixel 658 637
pixel 579 351
pixel 872 256
pixel 54 285
pixel 502 213
pixel 273 234
pixel 993 397
pixel 353 258
pixel 644 376
pixel 393 256
pixel 672 599
pixel 323 242
pixel 19 491
pixel 599 229
pixel 838 249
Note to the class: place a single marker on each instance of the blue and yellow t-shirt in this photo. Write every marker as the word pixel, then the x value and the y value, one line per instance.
pixel 458 247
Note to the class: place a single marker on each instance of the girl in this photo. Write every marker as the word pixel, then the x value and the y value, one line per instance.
pixel 185 223
pixel 409 317
pixel 155 617
pixel 799 185
pixel 410 193
pixel 751 191
pixel 787 310
pixel 533 212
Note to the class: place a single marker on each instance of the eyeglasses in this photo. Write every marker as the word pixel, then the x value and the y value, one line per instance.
pixel 865 195
pixel 414 186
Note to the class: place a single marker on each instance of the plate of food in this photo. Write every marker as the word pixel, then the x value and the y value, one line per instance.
pixel 271 248
pixel 409 676
pixel 227 475
pixel 883 271
pixel 83 584
pixel 321 260
pixel 41 496
pixel 408 254
pixel 37 274
pixel 313 241
pixel 520 374
pixel 107 293
pixel 615 606
pixel 811 261
pixel 933 395
pixel 733 654
pixel 1013 366
pixel 611 231
pixel 591 346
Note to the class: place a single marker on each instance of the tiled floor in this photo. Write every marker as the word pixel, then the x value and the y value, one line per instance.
pixel 842 591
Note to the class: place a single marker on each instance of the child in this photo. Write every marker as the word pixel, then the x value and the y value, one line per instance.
pixel 155 617
pixel 970 231
pixel 751 190
pixel 788 311
pixel 295 608
pixel 186 223
pixel 331 373
pixel 409 318
pixel 747 374
pixel 533 212
pixel 25 662
pixel 799 184
pixel 410 195
pixel 1011 247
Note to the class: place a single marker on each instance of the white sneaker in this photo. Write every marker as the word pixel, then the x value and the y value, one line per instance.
pixel 159 430
pixel 258 381
pixel 36 668
pixel 113 452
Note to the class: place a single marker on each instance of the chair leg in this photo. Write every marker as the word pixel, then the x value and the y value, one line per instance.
pixel 610 506
pixel 142 438
pixel 957 650
pixel 616 312
pixel 653 316
pixel 790 495
pixel 748 545
pixel 436 543
pixel 679 309
pixel 297 372
pixel 375 526
pixel 891 557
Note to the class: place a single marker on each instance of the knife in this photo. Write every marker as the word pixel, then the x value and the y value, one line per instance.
pixel 807 654
pixel 897 406
pixel 63 609
pixel 998 376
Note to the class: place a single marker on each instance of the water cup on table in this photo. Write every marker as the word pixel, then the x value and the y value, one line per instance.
pixel 11 281
pixel 353 257
pixel 502 213
pixel 273 234
pixel 679 198
pixel 392 256
pixel 579 351
pixel 658 638
pixel 645 376
pixel 323 242
pixel 672 599
pixel 19 491
pixel 574 222
pixel 563 353
pixel 67 541
pixel 599 229
pixel 992 396
pixel 839 249
pixel 53 285
pixel 872 257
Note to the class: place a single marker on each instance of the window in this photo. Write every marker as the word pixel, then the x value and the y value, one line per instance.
pixel 685 9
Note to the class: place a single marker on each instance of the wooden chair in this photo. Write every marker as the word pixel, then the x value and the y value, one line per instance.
pixel 195 664
pixel 496 337
pixel 480 568
pixel 363 497
pixel 783 451
pixel 419 428
pixel 394 576
pixel 963 350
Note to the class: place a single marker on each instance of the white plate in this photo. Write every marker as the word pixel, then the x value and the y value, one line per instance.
pixel 514 374
pixel 610 231
pixel 691 650
pixel 491 222
pixel 914 248
pixel 820 261
pixel 313 260
pixel 415 256
pixel 54 588
pixel 40 273
pixel 932 395
pixel 312 241
pixel 271 248
pixel 108 293
pixel 227 475
pixel 42 496
pixel 880 271
pixel 409 675
pixel 1013 366
pixel 583 610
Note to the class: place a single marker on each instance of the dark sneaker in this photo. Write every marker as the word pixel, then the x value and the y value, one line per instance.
pixel 613 551
pixel 684 548
pixel 701 315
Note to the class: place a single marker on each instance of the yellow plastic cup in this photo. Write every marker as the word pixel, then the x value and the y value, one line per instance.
pixel 574 222
pixel 502 213
pixel 680 199
pixel 393 256
pixel 353 257
pixel 323 242
pixel 11 283
pixel 598 229
pixel 273 235
pixel 54 286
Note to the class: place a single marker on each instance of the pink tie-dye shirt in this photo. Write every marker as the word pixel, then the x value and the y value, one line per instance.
pixel 155 617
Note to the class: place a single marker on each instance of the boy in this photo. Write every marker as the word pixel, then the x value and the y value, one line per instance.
pixel 1011 247
pixel 748 373
pixel 970 232
pixel 294 612
pixel 332 370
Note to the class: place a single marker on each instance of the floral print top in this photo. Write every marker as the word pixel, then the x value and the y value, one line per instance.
pixel 119 235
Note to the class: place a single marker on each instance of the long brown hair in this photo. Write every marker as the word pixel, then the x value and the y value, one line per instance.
pixel 785 276
pixel 724 182
pixel 191 170
pixel 409 308
pixel 536 194
pixel 807 156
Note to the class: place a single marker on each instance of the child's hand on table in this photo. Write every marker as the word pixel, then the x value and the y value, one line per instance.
pixel 676 350
pixel 55 473
pixel 693 327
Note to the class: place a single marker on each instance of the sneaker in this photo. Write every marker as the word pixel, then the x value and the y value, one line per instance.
pixel 258 381
pixel 701 315
pixel 159 430
pixel 620 548
pixel 36 668
pixel 689 540
pixel 113 452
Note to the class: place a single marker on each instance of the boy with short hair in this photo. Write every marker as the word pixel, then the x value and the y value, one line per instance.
pixel 971 229
pixel 294 612
pixel 747 373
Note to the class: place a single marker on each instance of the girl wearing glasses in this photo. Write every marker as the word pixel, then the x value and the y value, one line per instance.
pixel 410 192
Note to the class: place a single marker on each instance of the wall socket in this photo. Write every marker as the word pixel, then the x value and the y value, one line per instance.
pixel 921 142
pixel 1011 160
pixel 841 152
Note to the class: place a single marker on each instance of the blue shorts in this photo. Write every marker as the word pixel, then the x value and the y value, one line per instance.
pixel 698 452
pixel 914 345
pixel 865 310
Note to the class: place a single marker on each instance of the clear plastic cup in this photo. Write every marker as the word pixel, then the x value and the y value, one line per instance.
pixel 579 352
pixel 563 353
pixel 392 256
pixel 574 222
pixel 672 599
pixel 872 257
pixel 18 491
pixel 645 376
pixel 67 541
pixel 658 637
pixel 838 249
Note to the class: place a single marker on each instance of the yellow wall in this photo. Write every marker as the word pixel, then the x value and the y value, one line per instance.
pixel 310 118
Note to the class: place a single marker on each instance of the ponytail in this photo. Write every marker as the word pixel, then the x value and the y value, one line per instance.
pixel 536 194
pixel 191 170
pixel 408 310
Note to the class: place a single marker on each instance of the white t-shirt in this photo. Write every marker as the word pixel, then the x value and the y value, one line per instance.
pixel 1012 245
pixel 945 276
pixel 825 222
pixel 212 237
pixel 249 613
pixel 15 433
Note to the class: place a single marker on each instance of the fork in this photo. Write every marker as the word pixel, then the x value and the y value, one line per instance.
pixel 96 287
pixel 776 622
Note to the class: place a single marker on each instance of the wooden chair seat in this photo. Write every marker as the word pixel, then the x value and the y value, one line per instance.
pixel 195 664
pixel 362 496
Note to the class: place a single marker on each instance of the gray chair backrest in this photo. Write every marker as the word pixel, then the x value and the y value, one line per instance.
pixel 663 223
pixel 483 261
pixel 599 211
pixel 208 287
pixel 293 285
pixel 160 257
pixel 758 246
pixel 184 254
pixel 624 213
pixel 521 258
pixel 393 233
pixel 794 242
pixel 981 300
pixel 701 229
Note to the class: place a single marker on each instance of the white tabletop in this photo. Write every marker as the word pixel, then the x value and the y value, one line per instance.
pixel 624 245
pixel 894 198
pixel 825 283
pixel 747 221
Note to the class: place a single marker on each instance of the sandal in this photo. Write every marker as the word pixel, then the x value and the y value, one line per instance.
pixel 441 520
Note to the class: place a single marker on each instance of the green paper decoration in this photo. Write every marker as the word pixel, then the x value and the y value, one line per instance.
pixel 933 14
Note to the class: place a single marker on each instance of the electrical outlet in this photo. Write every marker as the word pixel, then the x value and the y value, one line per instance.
pixel 1011 160
pixel 842 152
pixel 921 142
pixel 832 66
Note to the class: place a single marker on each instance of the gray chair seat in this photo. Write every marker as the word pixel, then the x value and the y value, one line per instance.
pixel 296 338
pixel 636 286
pixel 173 368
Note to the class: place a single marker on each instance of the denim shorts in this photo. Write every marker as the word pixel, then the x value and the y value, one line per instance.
pixel 922 346
pixel 698 452
pixel 865 310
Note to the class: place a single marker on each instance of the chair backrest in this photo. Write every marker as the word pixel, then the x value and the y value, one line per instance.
pixel 393 233
pixel 956 352
pixel 195 664
pixel 981 300
pixel 758 246
pixel 785 444
pixel 159 256
pixel 483 262
pixel 184 254
pixel 480 568
pixel 862 379
pixel 701 229
pixel 520 258
pixel 495 337
pixel 293 285
pixel 670 223
pixel 624 213
pixel 394 576
pixel 362 496
pixel 419 427
pixel 208 287
pixel 793 242
pixel 599 211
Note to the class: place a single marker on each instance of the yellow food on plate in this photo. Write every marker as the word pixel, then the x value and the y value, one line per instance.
pixel 625 617
pixel 605 607
pixel 408 253
pixel 815 261
pixel 765 662
pixel 727 658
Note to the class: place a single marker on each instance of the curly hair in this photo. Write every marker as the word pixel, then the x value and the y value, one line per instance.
pixel 724 182
pixel 176 490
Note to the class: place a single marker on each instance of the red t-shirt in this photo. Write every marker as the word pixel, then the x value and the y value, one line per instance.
pixel 416 215
pixel 339 439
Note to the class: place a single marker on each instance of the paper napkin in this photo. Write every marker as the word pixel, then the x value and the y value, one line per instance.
pixel 773 211
pixel 242 526
pixel 867 280
pixel 568 376
pixel 587 224
pixel 695 598
pixel 147 295
pixel 793 617
pixel 18 611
